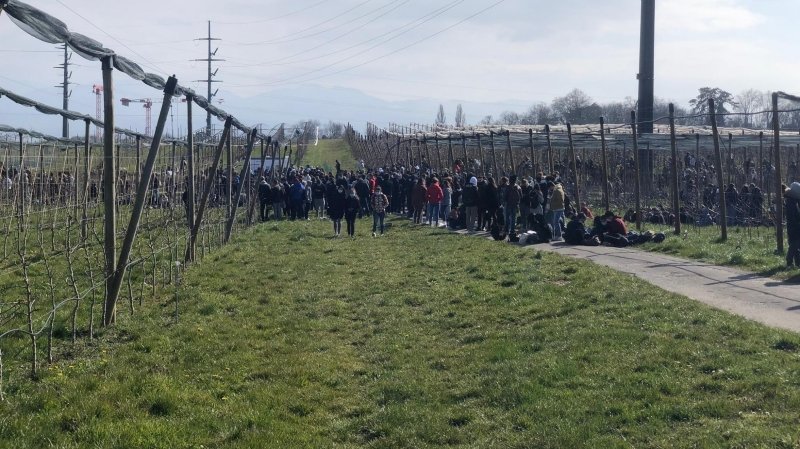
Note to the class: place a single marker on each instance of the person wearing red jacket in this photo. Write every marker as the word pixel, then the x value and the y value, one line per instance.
pixel 434 197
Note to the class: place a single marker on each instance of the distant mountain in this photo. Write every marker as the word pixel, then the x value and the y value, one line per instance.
pixel 288 105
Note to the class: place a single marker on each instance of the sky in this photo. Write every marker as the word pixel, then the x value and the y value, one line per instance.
pixel 491 54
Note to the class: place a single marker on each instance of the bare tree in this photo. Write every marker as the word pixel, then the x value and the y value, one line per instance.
pixel 459 120
pixel 441 118
pixel 748 102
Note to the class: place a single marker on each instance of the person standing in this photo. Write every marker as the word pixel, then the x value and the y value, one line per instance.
pixel 469 198
pixel 792 212
pixel 352 209
pixel 513 197
pixel 557 208
pixel 447 200
pixel 336 206
pixel 418 195
pixel 277 200
pixel 379 204
pixel 264 198
pixel 434 197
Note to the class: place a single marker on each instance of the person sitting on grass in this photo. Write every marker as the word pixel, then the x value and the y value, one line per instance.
pixel 615 230
pixel 576 233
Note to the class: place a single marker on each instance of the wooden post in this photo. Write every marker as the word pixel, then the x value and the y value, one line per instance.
pixel 697 169
pixel 190 193
pixel 675 188
pixel 275 146
pixel 87 175
pixel 480 154
pixel 136 215
pixel 723 208
pixel 730 158
pixel 109 187
pixel 138 159
pixel 195 230
pixel 466 155
pixel 261 174
pixel 575 171
pixel 21 184
pixel 438 156
pixel 637 172
pixel 510 152
pixel 452 161
pixel 229 174
pixel 549 149
pixel 776 125
pixel 533 153
pixel 495 172
pixel 606 193
pixel 249 152
pixel 761 159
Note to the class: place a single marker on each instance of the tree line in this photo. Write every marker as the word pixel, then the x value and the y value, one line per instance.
pixel 578 108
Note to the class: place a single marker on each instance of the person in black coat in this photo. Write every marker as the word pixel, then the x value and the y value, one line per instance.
pixel 352 209
pixel 335 200
pixel 264 198
pixel 792 213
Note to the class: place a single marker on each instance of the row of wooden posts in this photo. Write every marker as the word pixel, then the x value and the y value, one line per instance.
pixel 383 149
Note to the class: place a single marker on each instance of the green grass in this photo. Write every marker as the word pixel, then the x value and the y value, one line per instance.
pixel 327 152
pixel 751 249
pixel 290 339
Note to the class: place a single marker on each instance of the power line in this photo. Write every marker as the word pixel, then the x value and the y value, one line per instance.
pixel 413 43
pixel 309 28
pixel 112 37
pixel 327 42
pixel 273 19
pixel 426 18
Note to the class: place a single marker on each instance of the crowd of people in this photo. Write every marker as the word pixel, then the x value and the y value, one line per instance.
pixel 536 208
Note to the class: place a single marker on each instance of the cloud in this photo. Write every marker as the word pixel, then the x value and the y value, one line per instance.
pixel 707 16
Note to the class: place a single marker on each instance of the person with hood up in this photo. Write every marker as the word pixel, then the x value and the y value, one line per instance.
pixel 264 198
pixel 434 197
pixel 469 197
pixel 418 194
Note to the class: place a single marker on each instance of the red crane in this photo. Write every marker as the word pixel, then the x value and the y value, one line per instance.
pixel 148 106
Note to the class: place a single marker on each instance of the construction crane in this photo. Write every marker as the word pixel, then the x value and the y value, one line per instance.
pixel 97 89
pixel 148 106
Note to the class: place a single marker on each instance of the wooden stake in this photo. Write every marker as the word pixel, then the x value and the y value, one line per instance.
pixel 549 149
pixel 533 152
pixel 495 172
pixel 109 188
pixel 249 152
pixel 638 172
pixel 776 125
pixel 575 171
pixel 141 193
pixel 480 154
pixel 675 190
pixel 606 193
pixel 723 208
pixel 190 193
pixel 510 152
pixel 195 230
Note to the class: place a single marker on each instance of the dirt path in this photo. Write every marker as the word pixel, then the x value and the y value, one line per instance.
pixel 765 300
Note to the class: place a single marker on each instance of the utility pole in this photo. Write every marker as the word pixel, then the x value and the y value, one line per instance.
pixel 210 80
pixel 646 77
pixel 64 86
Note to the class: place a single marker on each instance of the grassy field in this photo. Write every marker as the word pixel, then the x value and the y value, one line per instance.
pixel 751 249
pixel 288 338
pixel 327 152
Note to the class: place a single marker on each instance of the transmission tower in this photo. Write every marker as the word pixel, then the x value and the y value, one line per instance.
pixel 210 80
pixel 64 86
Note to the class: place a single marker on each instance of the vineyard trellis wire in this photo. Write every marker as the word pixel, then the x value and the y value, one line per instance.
pixel 61 199
pixel 681 173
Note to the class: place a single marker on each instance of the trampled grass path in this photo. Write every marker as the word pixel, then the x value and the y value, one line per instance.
pixel 765 300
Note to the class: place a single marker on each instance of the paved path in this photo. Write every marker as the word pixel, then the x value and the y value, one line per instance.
pixel 768 301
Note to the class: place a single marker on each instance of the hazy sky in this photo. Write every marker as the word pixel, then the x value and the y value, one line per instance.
pixel 511 52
